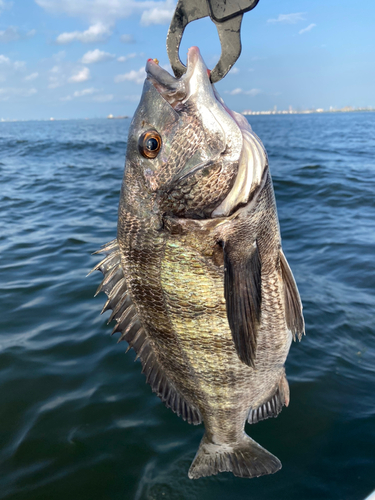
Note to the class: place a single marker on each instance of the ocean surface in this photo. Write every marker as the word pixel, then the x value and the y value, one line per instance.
pixel 77 420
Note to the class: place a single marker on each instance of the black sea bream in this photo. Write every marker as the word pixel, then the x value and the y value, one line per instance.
pixel 197 280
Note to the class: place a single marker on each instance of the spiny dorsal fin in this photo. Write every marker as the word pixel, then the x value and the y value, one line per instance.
pixel 242 291
pixel 292 301
pixel 274 405
pixel 131 330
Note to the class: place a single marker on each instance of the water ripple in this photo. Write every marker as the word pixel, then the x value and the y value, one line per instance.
pixel 78 420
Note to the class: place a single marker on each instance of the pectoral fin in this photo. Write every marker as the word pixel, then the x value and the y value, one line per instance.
pixel 292 301
pixel 242 290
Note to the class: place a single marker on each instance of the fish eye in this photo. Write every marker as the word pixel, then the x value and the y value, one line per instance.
pixel 149 144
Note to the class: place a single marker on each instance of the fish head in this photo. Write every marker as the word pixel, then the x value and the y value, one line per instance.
pixel 184 144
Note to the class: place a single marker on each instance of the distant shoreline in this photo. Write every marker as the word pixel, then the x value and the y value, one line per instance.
pixel 246 113
pixel 348 109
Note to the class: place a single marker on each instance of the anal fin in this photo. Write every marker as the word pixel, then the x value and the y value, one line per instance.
pixel 156 377
pixel 273 406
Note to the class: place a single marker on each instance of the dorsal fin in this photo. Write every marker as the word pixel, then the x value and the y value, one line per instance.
pixel 273 406
pixel 129 325
pixel 292 301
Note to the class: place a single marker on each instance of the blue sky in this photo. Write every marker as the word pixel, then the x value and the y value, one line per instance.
pixel 85 58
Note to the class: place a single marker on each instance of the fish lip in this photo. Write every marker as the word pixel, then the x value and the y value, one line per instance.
pixel 160 75
pixel 193 58
pixel 178 89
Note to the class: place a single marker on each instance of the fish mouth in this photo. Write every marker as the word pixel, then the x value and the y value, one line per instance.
pixel 176 91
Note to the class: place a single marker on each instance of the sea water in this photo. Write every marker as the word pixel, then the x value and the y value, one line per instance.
pixel 77 420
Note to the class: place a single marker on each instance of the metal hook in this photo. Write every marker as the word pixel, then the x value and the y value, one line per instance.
pixel 227 16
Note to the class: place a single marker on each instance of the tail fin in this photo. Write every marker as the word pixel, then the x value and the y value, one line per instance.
pixel 244 459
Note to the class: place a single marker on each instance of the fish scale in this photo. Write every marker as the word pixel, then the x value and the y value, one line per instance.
pixel 200 194
pixel 147 293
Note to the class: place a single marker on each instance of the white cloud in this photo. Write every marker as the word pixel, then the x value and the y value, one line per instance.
pixel 157 15
pixel 27 93
pixel 55 82
pixel 131 98
pixel 309 28
pixel 64 73
pixel 94 56
pixel 126 58
pixel 6 93
pixel 17 65
pixel 234 71
pixel 31 77
pixel 132 76
pixel 96 33
pixel 288 18
pixel 238 91
pixel 5 5
pixel 12 33
pixel 59 56
pixel 82 76
pixel 103 98
pixel 235 91
pixel 252 92
pixel 80 93
pixel 106 11
pixel 57 78
pixel 127 38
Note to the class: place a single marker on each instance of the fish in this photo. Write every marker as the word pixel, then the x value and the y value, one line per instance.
pixel 196 278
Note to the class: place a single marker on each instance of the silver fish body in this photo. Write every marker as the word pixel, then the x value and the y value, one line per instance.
pixel 196 279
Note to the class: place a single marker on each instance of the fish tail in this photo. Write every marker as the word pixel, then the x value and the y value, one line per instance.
pixel 244 459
